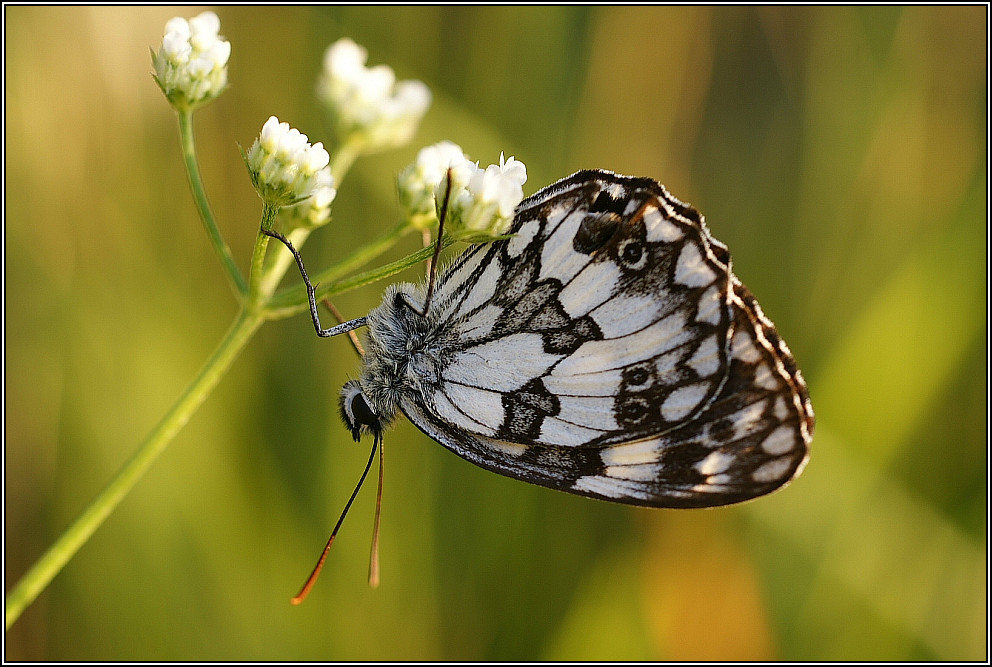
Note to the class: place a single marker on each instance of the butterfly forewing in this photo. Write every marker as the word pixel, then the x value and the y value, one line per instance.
pixel 598 310
pixel 607 349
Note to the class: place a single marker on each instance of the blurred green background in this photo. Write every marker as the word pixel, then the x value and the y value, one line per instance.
pixel 841 153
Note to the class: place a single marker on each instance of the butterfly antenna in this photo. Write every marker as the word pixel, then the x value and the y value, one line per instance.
pixel 312 579
pixel 374 555
pixel 312 294
pixel 432 268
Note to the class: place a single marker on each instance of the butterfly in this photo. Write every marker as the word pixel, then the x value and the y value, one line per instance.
pixel 604 348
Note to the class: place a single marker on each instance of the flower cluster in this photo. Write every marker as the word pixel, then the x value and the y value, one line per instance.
pixel 285 169
pixel 416 183
pixel 316 209
pixel 481 202
pixel 368 105
pixel 191 66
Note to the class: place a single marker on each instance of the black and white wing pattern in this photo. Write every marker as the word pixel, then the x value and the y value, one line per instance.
pixel 605 349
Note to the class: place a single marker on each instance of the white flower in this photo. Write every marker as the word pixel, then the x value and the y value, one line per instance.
pixel 316 209
pixel 417 182
pixel 203 30
pixel 191 65
pixel 285 169
pixel 482 201
pixel 368 105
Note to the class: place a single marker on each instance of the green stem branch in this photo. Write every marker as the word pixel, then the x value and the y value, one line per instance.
pixel 256 275
pixel 342 159
pixel 234 276
pixel 293 301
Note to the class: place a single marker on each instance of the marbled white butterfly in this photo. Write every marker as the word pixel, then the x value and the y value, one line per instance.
pixel 605 348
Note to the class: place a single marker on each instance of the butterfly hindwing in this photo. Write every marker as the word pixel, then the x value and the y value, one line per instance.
pixel 606 349
pixel 752 438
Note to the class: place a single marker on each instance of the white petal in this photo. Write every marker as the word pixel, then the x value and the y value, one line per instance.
pixel 207 23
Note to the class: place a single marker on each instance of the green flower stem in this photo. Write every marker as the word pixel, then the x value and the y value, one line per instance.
pixel 206 215
pixel 297 296
pixel 294 300
pixel 365 254
pixel 376 274
pixel 343 158
pixel 257 273
pixel 52 562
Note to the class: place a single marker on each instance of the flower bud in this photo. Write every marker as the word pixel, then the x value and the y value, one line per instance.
pixel 416 183
pixel 482 202
pixel 315 210
pixel 285 169
pixel 367 105
pixel 191 65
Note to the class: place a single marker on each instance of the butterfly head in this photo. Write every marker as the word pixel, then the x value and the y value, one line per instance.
pixel 356 412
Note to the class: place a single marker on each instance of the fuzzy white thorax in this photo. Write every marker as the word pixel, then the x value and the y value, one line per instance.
pixel 405 351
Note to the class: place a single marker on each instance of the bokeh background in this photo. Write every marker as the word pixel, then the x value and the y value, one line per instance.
pixel 841 153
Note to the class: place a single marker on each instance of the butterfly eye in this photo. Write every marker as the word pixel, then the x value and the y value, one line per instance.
pixel 356 412
pixel 363 413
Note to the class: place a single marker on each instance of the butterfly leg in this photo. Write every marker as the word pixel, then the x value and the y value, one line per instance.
pixel 311 294
pixel 352 336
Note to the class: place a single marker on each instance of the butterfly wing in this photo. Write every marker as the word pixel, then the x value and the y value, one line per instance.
pixel 606 349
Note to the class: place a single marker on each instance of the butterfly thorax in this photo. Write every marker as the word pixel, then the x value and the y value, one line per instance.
pixel 405 350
